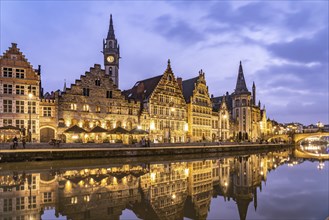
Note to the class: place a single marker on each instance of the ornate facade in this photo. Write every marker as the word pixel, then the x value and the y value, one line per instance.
pixel 163 108
pixel 199 108
pixel 169 109
pixel 20 89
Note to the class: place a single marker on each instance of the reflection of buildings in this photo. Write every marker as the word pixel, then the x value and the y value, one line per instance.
pixel 171 190
pixel 200 187
pixel 165 189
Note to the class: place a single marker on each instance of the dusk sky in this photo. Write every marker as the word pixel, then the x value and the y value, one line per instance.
pixel 283 45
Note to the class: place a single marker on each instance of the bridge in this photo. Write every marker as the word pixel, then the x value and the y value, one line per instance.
pixel 308 155
pixel 297 137
pixel 300 136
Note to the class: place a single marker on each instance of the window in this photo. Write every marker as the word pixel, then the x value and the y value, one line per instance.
pixel 108 94
pixel 7 205
pixel 32 105
pixel 47 197
pixel 155 110
pixel 20 90
pixel 7 72
pixel 32 90
pixel 20 123
pixel 110 71
pixel 130 111
pixel 97 82
pixel 7 122
pixel 32 202
pixel 7 106
pixel 20 203
pixel 47 111
pixel 74 200
pixel 85 108
pixel 85 92
pixel 20 73
pixel 98 109
pixel 7 89
pixel 86 198
pixel 73 106
pixel 19 106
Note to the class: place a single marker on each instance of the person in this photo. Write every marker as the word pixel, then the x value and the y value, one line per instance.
pixel 15 144
pixel 148 142
pixel 143 142
pixel 23 142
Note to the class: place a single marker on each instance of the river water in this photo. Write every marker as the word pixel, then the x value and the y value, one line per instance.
pixel 259 185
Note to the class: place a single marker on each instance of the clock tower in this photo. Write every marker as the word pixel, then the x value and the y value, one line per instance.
pixel 111 51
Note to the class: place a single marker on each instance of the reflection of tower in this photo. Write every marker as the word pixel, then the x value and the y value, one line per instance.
pixel 248 174
pixel 111 51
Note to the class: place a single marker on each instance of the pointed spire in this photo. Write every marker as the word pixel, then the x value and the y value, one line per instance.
pixel 64 88
pixel 253 84
pixel 259 104
pixel 241 83
pixel 110 34
pixel 168 65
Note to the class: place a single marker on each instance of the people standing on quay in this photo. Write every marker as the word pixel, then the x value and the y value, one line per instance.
pixel 23 142
pixel 15 142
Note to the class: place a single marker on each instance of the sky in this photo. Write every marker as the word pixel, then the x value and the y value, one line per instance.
pixel 283 45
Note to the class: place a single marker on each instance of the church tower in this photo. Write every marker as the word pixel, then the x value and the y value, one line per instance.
pixel 242 107
pixel 111 51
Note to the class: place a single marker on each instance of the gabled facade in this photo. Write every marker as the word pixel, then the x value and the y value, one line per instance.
pixel 20 89
pixel 163 108
pixel 94 100
pixel 199 108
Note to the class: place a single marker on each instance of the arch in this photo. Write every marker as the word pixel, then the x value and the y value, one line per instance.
pixel 46 134
pixel 302 136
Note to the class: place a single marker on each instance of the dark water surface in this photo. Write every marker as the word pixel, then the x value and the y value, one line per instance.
pixel 274 185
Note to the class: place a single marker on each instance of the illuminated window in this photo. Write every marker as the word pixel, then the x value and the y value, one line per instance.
pixel 85 108
pixel 73 106
pixel 74 200
pixel 98 109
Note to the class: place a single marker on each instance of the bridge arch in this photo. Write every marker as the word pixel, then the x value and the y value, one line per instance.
pixel 301 136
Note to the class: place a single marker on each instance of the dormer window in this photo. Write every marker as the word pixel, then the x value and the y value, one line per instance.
pixel 109 94
pixel 97 82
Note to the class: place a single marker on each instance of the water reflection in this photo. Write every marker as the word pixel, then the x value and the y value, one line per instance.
pixel 167 190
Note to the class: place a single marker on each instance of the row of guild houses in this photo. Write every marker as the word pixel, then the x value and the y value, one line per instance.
pixel 167 108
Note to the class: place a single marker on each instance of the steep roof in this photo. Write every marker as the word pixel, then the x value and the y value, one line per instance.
pixel 188 88
pixel 143 88
pixel 241 87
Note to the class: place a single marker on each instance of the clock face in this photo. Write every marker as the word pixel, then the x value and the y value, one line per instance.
pixel 110 59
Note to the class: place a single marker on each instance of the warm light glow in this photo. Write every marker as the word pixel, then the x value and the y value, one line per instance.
pixel 153 176
pixel 152 126
pixel 173 196
pixel 186 127
pixel 30 95
pixel 139 127
pixel 261 173
pixel 75 136
pixel 225 183
pixel 68 123
pixel 186 171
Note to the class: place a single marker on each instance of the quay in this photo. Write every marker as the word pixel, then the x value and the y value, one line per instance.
pixel 45 152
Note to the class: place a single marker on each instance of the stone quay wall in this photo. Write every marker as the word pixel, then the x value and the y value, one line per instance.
pixel 43 152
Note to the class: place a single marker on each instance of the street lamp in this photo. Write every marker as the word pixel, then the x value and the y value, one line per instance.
pixel 30 117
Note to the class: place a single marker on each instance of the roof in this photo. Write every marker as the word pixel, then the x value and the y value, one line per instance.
pixel 75 129
pixel 216 102
pixel 118 130
pixel 241 87
pixel 98 129
pixel 188 88
pixel 142 89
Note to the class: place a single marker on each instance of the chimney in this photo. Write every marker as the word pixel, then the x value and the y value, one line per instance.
pixel 180 82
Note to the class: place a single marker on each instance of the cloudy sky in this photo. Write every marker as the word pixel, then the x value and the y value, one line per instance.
pixel 283 45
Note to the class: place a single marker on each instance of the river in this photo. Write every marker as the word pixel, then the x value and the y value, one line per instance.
pixel 271 185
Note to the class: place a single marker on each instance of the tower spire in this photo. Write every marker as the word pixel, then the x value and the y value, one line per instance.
pixel 253 94
pixel 110 34
pixel 241 83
